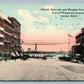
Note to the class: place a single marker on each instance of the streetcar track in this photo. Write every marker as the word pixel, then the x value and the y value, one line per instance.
pixel 40 70
pixel 64 75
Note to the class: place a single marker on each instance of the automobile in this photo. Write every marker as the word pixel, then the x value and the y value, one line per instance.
pixel 0 58
pixel 74 60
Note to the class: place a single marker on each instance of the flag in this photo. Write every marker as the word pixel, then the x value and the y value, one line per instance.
pixel 69 35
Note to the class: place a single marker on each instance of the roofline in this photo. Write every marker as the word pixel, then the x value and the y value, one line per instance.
pixel 82 28
pixel 14 19
pixel 78 34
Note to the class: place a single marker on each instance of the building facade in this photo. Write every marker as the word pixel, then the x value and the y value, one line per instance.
pixel 79 47
pixel 9 36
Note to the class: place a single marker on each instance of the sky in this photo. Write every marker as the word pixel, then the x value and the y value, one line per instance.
pixel 39 25
pixel 41 1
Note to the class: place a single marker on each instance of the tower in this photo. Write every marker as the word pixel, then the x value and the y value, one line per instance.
pixel 35 47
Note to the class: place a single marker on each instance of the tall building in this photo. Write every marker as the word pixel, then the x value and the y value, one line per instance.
pixel 9 35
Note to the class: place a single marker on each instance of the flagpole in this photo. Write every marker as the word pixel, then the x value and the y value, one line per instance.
pixel 69 42
pixel 70 36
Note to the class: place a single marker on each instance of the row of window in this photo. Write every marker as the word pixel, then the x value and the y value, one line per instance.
pixel 1 25
pixel 1 39
pixel 7 29
pixel 8 46
pixel 1 32
pixel 1 47
pixel 80 39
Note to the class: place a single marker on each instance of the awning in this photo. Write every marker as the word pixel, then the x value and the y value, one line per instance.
pixel 13 54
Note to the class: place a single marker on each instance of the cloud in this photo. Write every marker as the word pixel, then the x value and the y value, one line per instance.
pixel 61 26
pixel 25 15
pixel 50 27
pixel 70 27
pixel 40 19
pixel 29 27
pixel 36 12
pixel 28 18
pixel 28 22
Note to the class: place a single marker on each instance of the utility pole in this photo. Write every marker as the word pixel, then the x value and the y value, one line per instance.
pixel 68 42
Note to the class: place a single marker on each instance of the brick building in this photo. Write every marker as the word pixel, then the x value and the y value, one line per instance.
pixel 79 47
pixel 9 35
pixel 80 42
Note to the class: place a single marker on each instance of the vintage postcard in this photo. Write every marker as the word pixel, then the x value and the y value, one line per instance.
pixel 41 41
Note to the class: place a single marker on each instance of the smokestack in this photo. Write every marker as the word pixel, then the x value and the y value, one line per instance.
pixel 35 47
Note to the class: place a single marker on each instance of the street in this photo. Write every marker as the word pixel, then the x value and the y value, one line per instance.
pixel 37 69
